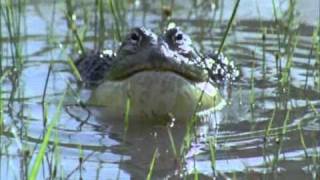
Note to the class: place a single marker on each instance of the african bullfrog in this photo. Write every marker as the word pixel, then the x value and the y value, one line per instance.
pixel 155 76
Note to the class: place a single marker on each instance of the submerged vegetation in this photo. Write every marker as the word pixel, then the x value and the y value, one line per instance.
pixel 269 129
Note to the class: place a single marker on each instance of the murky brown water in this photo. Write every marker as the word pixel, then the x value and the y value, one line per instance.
pixel 243 150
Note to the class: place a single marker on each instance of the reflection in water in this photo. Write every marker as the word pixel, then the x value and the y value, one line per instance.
pixel 142 139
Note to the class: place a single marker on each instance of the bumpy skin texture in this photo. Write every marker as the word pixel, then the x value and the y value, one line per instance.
pixel 93 67
pixel 221 68
pixel 172 51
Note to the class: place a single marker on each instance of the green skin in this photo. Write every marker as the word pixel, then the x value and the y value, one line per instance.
pixel 155 78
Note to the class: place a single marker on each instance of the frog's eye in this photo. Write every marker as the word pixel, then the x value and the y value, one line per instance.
pixel 134 37
pixel 179 37
pixel 179 41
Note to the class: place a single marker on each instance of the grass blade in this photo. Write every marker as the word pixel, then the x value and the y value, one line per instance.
pixel 126 115
pixel 229 26
pixel 152 164
pixel 212 145
pixel 36 166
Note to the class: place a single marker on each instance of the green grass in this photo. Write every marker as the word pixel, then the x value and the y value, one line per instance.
pixel 278 151
pixel 316 44
pixel 3 76
pixel 228 26
pixel 1 43
pixel 12 15
pixel 192 123
pixel 100 24
pixel 302 140
pixel 152 164
pixel 44 145
pixel 196 174
pixel 56 159
pixel 71 19
pixel 212 146
pixel 43 99
pixel 126 115
pixel 114 7
pixel 74 69
pixel 173 144
pixel 252 96
pixel 270 123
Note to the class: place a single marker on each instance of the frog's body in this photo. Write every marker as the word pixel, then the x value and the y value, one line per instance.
pixel 154 76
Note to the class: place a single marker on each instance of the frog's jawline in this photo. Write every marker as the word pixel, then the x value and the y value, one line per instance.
pixel 181 72
pixel 153 95
pixel 132 73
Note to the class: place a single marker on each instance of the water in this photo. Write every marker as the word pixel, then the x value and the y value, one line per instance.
pixel 87 145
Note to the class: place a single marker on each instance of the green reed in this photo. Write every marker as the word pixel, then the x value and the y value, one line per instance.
pixel 264 39
pixel 1 43
pixel 275 160
pixel 309 65
pixel 264 34
pixel 117 10
pixel 276 19
pixel 12 14
pixel 56 159
pixel 278 55
pixel 99 23
pixel 228 26
pixel 43 100
pixel 152 164
pixel 287 26
pixel 313 108
pixel 74 69
pixel 302 140
pixel 78 33
pixel 316 45
pixel 43 147
pixel 270 123
pixel 166 14
pixel 173 144
pixel 126 115
pixel 2 78
pixel 285 74
pixel 196 174
pixel 191 125
pixel 1 126
pixel 71 19
pixel 315 157
pixel 212 146
pixel 267 133
pixel 205 10
pixel 1 110
pixel 252 95
pixel 187 139
pixel 126 127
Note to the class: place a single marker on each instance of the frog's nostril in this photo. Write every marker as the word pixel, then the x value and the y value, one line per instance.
pixel 179 37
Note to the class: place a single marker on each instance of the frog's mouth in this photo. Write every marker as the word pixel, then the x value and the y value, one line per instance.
pixel 156 59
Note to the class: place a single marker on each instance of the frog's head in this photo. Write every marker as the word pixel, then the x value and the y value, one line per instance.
pixel 142 50
pixel 161 75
